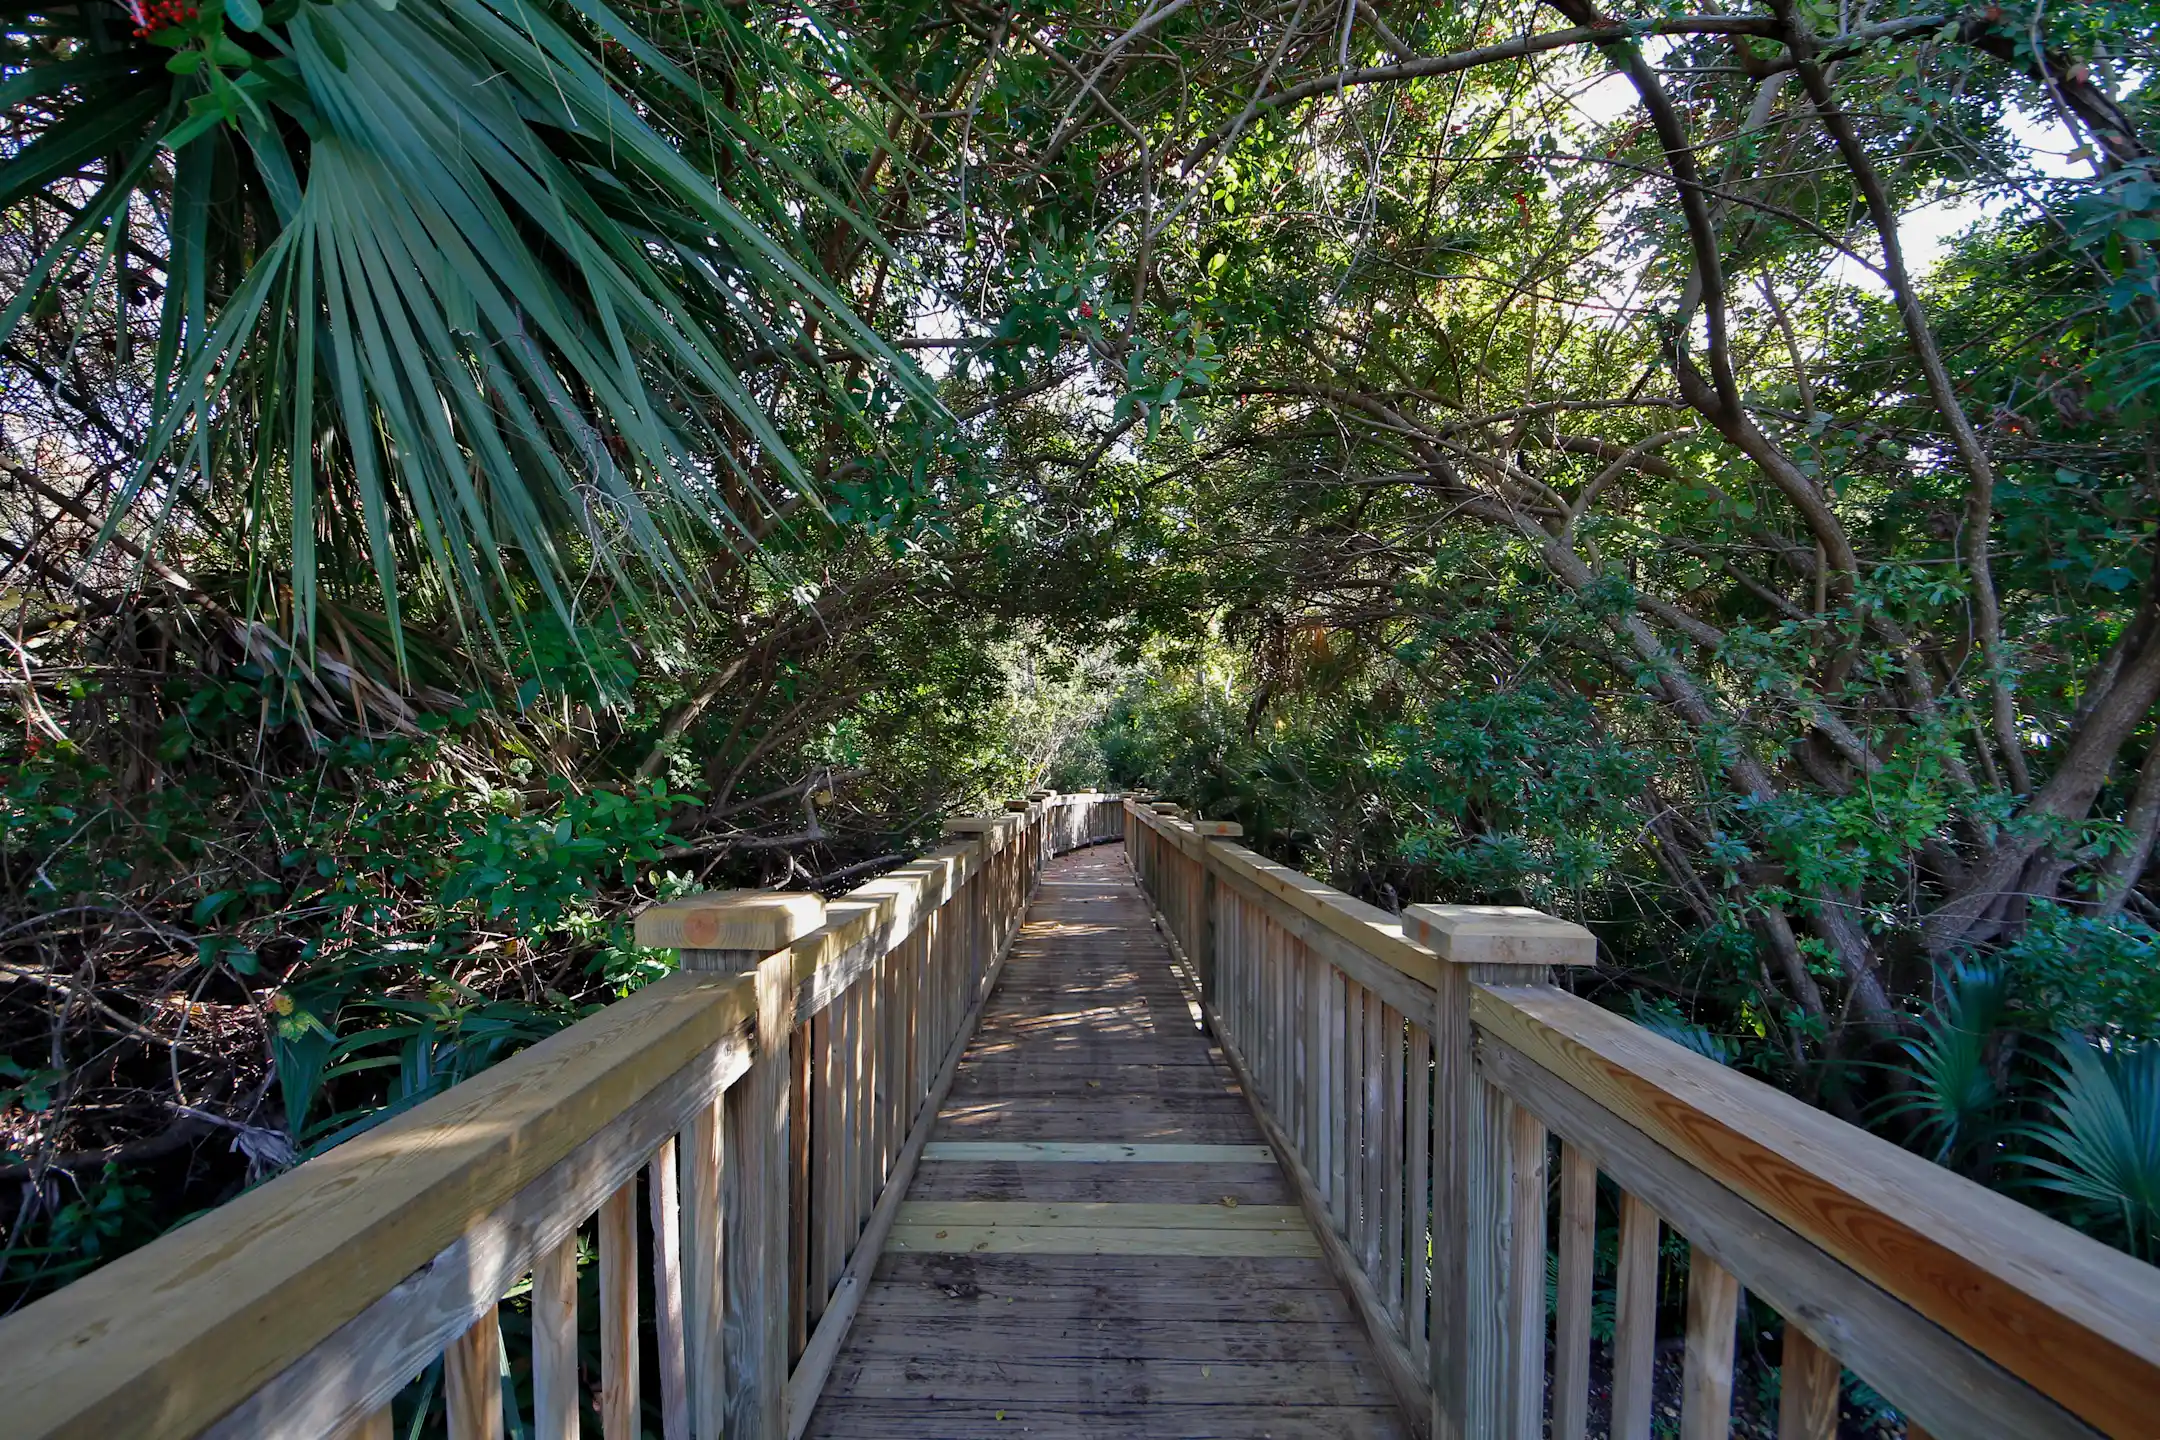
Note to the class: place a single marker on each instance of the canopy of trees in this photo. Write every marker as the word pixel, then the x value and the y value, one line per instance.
pixel 469 468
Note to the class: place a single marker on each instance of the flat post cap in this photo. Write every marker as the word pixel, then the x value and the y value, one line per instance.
pixel 1218 829
pixel 758 920
pixel 1498 935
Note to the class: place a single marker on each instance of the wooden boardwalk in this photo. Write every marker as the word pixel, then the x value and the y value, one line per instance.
pixel 1098 1242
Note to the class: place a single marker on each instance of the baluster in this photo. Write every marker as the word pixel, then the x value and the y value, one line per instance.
pixel 1486 1156
pixel 1808 1389
pixel 376 1426
pixel 661 1187
pixel 1417 1196
pixel 1713 1303
pixel 472 1381
pixel 1526 1273
pixel 1571 1328
pixel 1371 1135
pixel 1393 1165
pixel 554 1340
pixel 704 1159
pixel 619 1314
pixel 1635 1320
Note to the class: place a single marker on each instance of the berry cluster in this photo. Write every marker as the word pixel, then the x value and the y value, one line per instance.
pixel 152 16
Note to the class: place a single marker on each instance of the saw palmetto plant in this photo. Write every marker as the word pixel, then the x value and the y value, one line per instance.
pixel 446 300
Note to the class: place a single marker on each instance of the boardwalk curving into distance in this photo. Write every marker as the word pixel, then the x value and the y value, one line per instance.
pixel 1098 1241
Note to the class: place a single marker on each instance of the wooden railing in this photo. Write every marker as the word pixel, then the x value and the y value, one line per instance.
pixel 733 1140
pixel 1418 1074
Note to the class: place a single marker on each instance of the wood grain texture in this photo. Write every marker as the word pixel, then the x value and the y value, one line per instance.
pixel 556 1392
pixel 1808 1389
pixel 704 1162
pixel 378 1426
pixel 663 1185
pixel 619 1389
pixel 472 1382
pixel 370 1358
pixel 1635 1306
pixel 1578 1278
pixel 1525 1399
pixel 1093 1152
pixel 2076 1320
pixel 1923 1369
pixel 822 1347
pixel 1706 1382
pixel 1103 1344
pixel 141 1347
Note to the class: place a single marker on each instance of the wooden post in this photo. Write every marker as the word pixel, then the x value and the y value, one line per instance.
pixel 1488 1340
pixel 1205 960
pixel 734 932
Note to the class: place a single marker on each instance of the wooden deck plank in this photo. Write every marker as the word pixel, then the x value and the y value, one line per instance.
pixel 943 1419
pixel 1066 1263
pixel 1050 1152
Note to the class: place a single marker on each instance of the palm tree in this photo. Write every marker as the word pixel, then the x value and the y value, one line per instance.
pixel 449 303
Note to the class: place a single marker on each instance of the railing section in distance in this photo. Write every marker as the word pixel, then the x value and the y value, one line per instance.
pixel 733 1139
pixel 1446 1112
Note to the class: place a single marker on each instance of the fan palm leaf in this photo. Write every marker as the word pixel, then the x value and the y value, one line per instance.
pixel 441 300
pixel 2102 1137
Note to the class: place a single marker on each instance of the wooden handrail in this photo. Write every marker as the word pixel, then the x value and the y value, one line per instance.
pixel 799 1089
pixel 165 1340
pixel 2072 1318
pixel 1415 1091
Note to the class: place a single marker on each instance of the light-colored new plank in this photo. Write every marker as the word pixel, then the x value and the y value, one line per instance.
pixel 1920 1367
pixel 472 1381
pixel 1635 1320
pixel 2076 1320
pixel 1713 1308
pixel 1808 1382
pixel 1095 1153
pixel 141 1347
pixel 554 1342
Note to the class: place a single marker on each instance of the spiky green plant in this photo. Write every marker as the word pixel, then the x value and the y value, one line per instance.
pixel 1952 1099
pixel 447 298
pixel 2101 1138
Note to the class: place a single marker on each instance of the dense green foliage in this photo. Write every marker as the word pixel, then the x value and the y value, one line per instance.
pixel 1513 453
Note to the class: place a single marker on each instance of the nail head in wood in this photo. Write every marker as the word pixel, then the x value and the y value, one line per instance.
pixel 1498 935
pixel 759 921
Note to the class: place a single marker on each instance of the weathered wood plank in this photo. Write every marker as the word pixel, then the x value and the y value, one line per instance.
pixel 1578 1276
pixel 554 1335
pixel 1634 1319
pixel 1713 1308
pixel 1097 1152
pixel 1119 1215
pixel 619 1389
pixel 1098 1240
pixel 662 1189
pixel 472 1381
pixel 1808 1389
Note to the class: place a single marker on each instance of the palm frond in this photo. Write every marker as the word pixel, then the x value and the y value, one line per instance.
pixel 442 303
